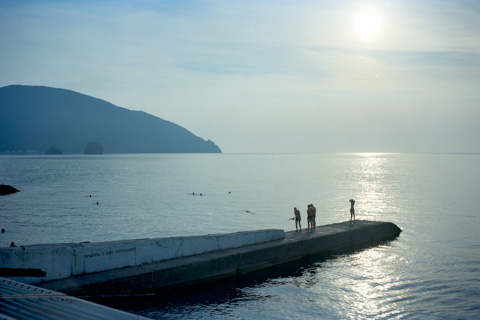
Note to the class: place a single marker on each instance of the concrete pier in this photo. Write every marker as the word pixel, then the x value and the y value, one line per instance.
pixel 218 264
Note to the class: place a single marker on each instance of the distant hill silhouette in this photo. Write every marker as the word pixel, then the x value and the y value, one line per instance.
pixel 33 118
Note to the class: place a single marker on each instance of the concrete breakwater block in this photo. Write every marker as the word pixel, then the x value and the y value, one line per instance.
pixel 60 261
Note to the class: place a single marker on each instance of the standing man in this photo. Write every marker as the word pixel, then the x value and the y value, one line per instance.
pixel 309 217
pixel 352 209
pixel 298 218
pixel 314 212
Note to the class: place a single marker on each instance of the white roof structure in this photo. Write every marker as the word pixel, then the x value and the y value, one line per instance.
pixel 22 301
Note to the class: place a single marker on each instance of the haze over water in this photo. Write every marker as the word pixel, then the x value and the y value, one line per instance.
pixel 431 271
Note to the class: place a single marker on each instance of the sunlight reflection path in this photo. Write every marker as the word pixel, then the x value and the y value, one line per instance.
pixel 373 196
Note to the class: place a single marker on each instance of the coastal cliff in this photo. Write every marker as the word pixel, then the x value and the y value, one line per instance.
pixel 33 118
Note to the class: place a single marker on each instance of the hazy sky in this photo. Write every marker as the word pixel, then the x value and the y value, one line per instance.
pixel 265 76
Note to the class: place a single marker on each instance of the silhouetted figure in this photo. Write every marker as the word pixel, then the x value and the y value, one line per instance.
pixel 314 211
pixel 352 209
pixel 298 218
pixel 12 245
pixel 3 230
pixel 310 217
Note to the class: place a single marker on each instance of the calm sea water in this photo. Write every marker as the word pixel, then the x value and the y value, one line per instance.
pixel 431 271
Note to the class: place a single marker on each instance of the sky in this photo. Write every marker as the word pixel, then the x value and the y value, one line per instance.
pixel 267 76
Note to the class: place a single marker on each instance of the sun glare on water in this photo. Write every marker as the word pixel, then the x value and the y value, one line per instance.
pixel 367 25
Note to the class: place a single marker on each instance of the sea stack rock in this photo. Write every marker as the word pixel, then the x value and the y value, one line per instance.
pixel 54 149
pixel 6 189
pixel 94 148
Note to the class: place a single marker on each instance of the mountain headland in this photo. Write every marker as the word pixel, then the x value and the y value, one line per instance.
pixel 33 119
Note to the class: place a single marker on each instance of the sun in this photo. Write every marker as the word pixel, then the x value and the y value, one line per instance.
pixel 367 24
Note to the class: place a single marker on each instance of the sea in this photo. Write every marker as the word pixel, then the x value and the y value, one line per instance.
pixel 430 271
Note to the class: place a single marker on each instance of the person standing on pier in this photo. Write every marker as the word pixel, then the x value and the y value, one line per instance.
pixel 310 217
pixel 314 213
pixel 352 209
pixel 298 218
